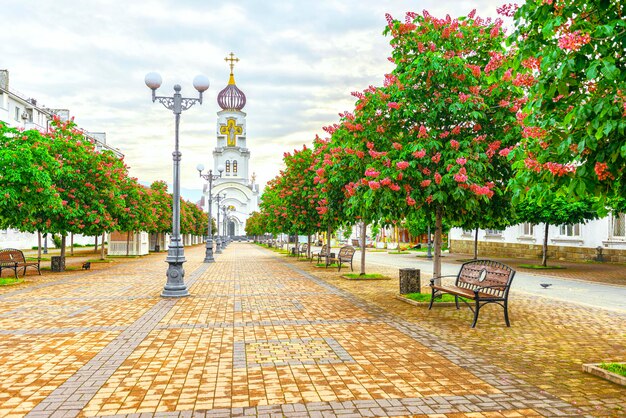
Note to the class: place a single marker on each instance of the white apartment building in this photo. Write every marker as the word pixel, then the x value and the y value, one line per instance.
pixel 20 111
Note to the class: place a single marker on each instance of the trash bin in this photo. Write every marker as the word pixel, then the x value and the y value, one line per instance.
pixel 57 263
pixel 157 248
pixel 410 281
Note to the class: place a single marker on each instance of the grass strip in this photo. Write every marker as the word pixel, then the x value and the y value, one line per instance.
pixel 540 267
pixel 617 368
pixel 425 297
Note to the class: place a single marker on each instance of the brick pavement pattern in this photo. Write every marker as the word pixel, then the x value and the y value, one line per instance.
pixel 263 336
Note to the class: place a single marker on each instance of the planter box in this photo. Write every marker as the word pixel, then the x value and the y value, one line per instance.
pixel 595 369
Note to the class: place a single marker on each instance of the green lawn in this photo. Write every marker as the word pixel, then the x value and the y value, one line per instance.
pixel 357 276
pixel 8 281
pixel 425 297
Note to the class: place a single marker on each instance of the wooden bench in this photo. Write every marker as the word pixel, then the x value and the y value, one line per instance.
pixel 303 250
pixel 483 281
pixel 11 258
pixel 345 256
pixel 322 253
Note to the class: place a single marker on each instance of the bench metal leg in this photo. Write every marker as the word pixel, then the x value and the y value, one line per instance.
pixel 476 309
pixel 432 298
pixel 506 313
pixel 456 301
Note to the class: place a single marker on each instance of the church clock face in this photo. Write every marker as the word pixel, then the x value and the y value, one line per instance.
pixel 232 131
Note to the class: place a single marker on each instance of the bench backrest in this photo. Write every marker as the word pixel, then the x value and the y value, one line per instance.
pixel 11 255
pixel 324 249
pixel 347 251
pixel 483 273
pixel 304 247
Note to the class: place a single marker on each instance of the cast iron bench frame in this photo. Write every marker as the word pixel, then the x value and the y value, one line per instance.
pixel 483 281
pixel 303 249
pixel 322 253
pixel 345 255
pixel 11 258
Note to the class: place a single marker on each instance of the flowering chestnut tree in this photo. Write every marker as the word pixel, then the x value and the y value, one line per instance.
pixel 447 117
pixel 299 193
pixel 26 178
pixel 576 125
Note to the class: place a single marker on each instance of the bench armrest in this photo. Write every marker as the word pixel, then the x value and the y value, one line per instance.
pixel 432 281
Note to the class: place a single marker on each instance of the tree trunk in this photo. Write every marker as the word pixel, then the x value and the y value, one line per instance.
pixel 363 230
pixel 72 244
pixel 438 238
pixel 95 246
pixel 476 244
pixel 127 243
pixel 544 258
pixel 308 247
pixel 63 240
pixel 102 247
pixel 295 239
pixel 38 245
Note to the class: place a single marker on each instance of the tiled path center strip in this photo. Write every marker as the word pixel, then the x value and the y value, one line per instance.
pixel 72 396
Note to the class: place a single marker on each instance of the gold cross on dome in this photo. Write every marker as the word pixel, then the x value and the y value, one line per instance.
pixel 232 60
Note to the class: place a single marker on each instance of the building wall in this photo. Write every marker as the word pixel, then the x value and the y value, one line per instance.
pixel 579 243
pixel 12 238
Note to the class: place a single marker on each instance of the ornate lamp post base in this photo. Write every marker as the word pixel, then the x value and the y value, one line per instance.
pixel 218 246
pixel 175 286
pixel 208 255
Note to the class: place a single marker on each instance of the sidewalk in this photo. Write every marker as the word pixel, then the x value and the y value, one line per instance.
pixel 597 272
pixel 265 335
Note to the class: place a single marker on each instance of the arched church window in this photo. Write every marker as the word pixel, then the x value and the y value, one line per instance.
pixel 235 166
pixel 228 166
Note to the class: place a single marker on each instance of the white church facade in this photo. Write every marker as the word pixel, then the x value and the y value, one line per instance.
pixel 239 194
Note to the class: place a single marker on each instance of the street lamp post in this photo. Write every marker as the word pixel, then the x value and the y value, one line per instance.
pixel 208 256
pixel 175 286
pixel 218 241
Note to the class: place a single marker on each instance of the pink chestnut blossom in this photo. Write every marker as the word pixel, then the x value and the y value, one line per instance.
pixel 402 165
pixel 374 185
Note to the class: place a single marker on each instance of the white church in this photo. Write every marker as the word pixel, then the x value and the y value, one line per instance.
pixel 237 188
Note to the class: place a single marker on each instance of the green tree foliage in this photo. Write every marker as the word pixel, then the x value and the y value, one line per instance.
pixel 573 55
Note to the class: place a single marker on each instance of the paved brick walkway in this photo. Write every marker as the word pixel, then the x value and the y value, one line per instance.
pixel 264 337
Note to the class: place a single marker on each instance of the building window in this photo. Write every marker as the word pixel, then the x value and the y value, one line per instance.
pixel 572 230
pixel 467 232
pixel 493 232
pixel 235 166
pixel 17 113
pixel 227 166
pixel 619 226
pixel 527 229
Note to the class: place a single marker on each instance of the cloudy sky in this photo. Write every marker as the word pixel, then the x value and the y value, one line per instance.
pixel 300 60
